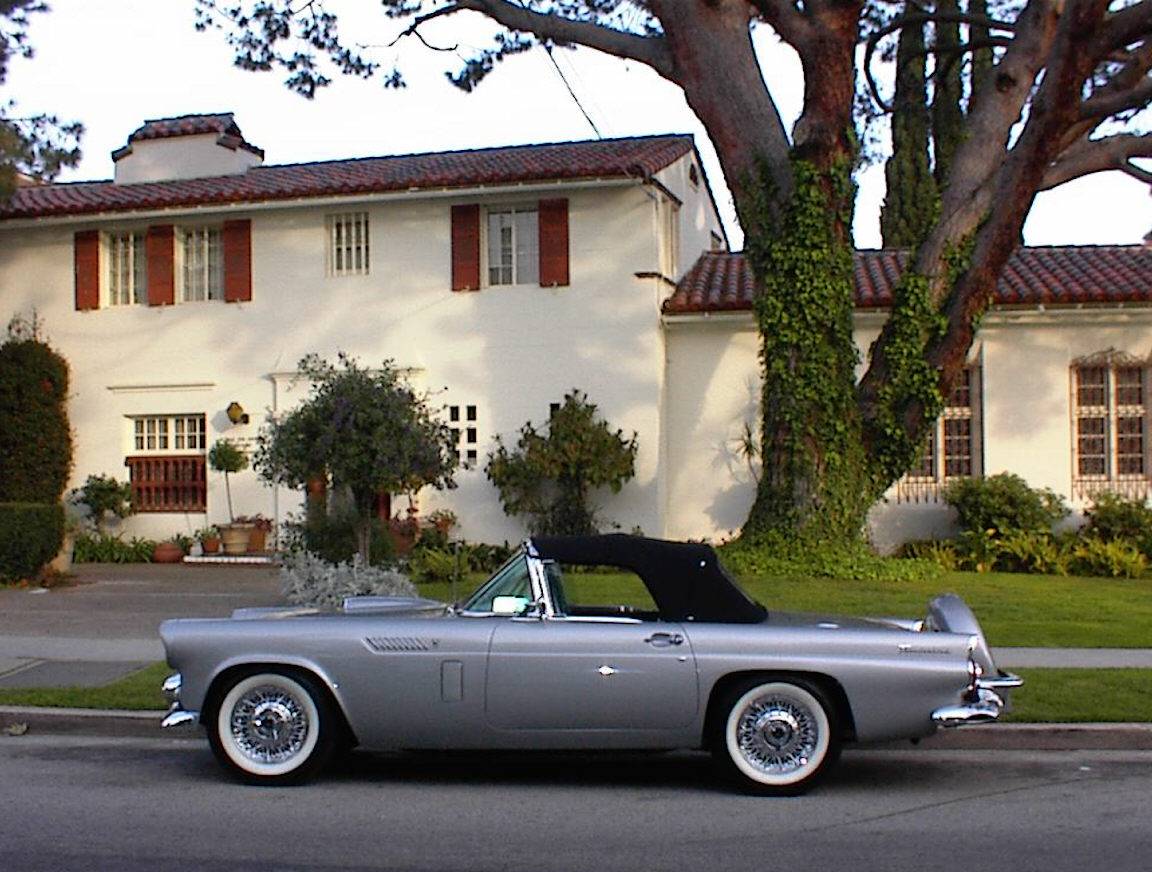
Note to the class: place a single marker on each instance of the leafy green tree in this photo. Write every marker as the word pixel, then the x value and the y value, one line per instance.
pixel 948 89
pixel 363 430
pixel 1068 77
pixel 38 146
pixel 552 471
pixel 35 436
pixel 103 495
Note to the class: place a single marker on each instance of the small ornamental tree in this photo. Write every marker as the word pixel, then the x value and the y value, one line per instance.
pixel 552 471
pixel 103 495
pixel 226 457
pixel 363 430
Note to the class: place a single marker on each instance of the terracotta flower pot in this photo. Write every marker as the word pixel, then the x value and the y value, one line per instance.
pixel 210 544
pixel 167 552
pixel 257 538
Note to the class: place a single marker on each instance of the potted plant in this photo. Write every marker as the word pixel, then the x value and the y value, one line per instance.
pixel 258 529
pixel 226 457
pixel 209 539
pixel 171 550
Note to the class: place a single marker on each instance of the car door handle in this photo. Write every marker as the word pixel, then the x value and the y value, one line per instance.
pixel 664 640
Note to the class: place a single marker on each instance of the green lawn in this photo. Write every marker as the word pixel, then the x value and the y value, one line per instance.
pixel 1059 695
pixel 1015 610
pixel 1064 695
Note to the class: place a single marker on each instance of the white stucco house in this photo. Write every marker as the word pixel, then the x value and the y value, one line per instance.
pixel 500 279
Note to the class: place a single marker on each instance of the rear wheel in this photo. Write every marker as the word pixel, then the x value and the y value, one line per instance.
pixel 273 728
pixel 777 737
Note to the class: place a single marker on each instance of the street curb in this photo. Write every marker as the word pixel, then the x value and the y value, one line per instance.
pixel 119 723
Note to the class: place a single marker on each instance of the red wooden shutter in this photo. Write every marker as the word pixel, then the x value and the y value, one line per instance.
pixel 86 256
pixel 466 247
pixel 160 247
pixel 553 216
pixel 237 261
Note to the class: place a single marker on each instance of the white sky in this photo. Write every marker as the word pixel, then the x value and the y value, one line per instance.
pixel 113 63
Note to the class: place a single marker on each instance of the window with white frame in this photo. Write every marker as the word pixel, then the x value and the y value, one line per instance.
pixel 167 466
pixel 127 262
pixel 201 264
pixel 513 246
pixel 348 244
pixel 156 434
pixel 953 448
pixel 1110 413
pixel 465 436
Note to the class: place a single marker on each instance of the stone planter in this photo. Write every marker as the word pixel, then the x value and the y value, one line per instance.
pixel 235 538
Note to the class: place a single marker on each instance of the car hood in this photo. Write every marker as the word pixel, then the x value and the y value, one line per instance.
pixel 355 605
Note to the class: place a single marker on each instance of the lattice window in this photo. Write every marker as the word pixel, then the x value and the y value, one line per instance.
pixel 201 264
pixel 127 269
pixel 952 448
pixel 1110 413
pixel 167 469
pixel 465 434
pixel 514 246
pixel 348 247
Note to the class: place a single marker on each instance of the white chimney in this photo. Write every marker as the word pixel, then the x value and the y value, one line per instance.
pixel 188 147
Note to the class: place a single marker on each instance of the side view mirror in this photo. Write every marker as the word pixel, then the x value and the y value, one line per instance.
pixel 510 605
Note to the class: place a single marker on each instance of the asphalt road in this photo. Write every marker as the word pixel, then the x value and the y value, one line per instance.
pixel 132 804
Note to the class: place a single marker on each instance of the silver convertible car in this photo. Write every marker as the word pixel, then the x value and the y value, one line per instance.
pixel 518 665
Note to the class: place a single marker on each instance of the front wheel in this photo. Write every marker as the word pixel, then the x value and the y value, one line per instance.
pixel 778 737
pixel 273 728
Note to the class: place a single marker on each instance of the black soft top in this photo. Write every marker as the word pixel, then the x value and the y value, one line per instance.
pixel 685 579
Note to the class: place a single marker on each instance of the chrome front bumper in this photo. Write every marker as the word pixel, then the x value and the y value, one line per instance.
pixel 177 715
pixel 981 704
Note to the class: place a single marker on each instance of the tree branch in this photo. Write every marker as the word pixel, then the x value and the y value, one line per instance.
pixel 783 17
pixel 1099 155
pixel 1124 28
pixel 649 50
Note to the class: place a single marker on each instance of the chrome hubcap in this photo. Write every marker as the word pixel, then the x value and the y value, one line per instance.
pixel 269 725
pixel 777 736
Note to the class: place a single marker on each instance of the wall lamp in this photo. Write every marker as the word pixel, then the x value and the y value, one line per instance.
pixel 236 413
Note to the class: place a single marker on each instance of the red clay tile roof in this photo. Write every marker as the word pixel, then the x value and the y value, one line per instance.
pixel 720 281
pixel 186 125
pixel 608 158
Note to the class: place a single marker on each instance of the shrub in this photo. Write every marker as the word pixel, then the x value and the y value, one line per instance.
pixel 1113 518
pixel 36 440
pixel 1116 559
pixel 1004 503
pixel 774 555
pixel 103 548
pixel 942 553
pixel 333 537
pixel 103 495
pixel 30 535
pixel 550 474
pixel 435 564
pixel 1033 552
pixel 309 580
pixel 226 457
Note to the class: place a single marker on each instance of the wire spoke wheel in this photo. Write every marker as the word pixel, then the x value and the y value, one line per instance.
pixel 777 736
pixel 272 728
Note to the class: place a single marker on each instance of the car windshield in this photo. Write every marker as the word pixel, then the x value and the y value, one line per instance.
pixel 509 591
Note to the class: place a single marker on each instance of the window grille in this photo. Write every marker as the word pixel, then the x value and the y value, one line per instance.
pixel 952 448
pixel 465 434
pixel 1110 441
pixel 348 253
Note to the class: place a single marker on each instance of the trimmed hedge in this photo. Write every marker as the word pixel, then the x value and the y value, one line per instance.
pixel 35 438
pixel 31 534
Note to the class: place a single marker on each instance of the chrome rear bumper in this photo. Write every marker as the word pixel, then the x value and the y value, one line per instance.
pixel 983 707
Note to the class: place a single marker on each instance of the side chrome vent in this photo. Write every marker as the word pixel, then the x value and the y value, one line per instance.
pixel 386 644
